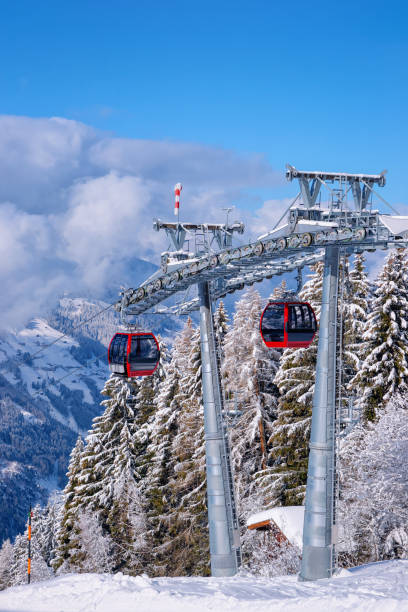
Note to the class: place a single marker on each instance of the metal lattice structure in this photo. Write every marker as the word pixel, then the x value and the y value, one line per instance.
pixel 203 255
pixel 299 241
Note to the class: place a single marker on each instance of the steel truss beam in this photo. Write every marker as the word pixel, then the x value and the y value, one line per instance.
pixel 249 269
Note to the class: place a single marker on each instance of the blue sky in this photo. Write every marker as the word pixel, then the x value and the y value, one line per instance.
pixel 318 84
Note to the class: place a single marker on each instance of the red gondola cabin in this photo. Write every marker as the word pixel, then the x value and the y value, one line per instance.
pixel 133 354
pixel 288 325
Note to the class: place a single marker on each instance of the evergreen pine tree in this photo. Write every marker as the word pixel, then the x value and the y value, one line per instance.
pixel 248 371
pixel 184 530
pixel 279 292
pixel 18 568
pixel 220 323
pixel 108 481
pixel 95 546
pixel 295 380
pixel 354 298
pixel 126 518
pixel 67 535
pixel 161 433
pixel 187 485
pixel 46 526
pixel 145 402
pixel 384 372
pixel 105 482
pixel 6 559
pixel 356 307
pixel 373 507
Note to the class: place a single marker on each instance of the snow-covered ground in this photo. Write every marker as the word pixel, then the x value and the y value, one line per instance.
pixel 379 586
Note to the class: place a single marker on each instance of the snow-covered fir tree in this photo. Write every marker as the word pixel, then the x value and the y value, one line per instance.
pixel 295 380
pixel 270 557
pixel 187 484
pixel 248 371
pixel 220 324
pixel 161 434
pixel 67 536
pixel 6 560
pixel 46 520
pixel 373 507
pixel 106 482
pixel 18 568
pixel 95 546
pixel 384 371
pixel 356 307
pixel 125 518
pixel 279 292
pixel 146 401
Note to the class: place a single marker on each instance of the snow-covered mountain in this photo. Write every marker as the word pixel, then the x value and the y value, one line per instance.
pixel 49 393
pixel 46 399
pixel 84 318
pixel 45 372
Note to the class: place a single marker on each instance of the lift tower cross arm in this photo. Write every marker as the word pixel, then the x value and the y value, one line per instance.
pixel 310 182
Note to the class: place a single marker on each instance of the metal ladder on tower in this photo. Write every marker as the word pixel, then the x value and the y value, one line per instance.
pixel 339 408
pixel 226 464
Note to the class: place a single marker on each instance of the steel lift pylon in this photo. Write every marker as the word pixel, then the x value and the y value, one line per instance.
pixel 222 514
pixel 318 532
pixel 311 230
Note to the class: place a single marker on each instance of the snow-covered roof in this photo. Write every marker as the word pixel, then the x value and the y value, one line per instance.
pixel 289 519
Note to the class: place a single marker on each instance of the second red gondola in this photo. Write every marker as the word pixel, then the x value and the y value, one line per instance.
pixel 288 325
pixel 133 354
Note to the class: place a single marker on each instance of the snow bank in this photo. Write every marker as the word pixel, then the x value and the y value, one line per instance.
pixel 379 586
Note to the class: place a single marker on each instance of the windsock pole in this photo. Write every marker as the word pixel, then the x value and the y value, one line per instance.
pixel 29 547
pixel 177 190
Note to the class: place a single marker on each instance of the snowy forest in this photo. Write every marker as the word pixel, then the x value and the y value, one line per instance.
pixel 135 498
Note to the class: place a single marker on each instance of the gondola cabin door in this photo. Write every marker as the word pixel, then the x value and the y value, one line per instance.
pixel 133 354
pixel 288 325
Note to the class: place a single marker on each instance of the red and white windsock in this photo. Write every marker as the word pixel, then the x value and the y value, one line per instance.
pixel 177 189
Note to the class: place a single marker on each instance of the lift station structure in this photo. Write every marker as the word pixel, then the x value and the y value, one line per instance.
pixel 312 229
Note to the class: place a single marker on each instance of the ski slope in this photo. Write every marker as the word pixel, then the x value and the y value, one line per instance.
pixel 379 586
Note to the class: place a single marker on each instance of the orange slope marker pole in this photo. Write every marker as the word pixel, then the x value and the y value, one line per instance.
pixel 29 547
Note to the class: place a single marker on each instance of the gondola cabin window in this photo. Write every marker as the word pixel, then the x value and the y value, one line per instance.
pixel 288 325
pixel 133 354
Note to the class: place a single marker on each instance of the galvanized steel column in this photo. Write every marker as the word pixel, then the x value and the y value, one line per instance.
pixel 317 531
pixel 222 545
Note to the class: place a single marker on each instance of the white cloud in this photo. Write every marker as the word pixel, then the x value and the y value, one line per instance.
pixel 266 217
pixel 76 205
pixel 194 164
pixel 40 158
pixel 30 273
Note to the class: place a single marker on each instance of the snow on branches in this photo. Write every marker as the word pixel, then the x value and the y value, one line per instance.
pixel 384 371
pixel 373 469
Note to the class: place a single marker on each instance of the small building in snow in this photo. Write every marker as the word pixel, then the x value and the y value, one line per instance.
pixel 282 523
